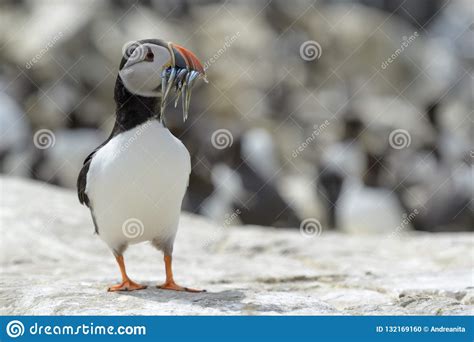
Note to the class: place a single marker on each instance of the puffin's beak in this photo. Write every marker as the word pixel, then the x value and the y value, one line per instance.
pixel 181 74
pixel 182 54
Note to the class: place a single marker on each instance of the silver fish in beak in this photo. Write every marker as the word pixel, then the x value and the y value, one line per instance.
pixel 180 76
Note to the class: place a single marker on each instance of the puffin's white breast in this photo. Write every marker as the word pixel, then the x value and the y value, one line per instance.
pixel 136 184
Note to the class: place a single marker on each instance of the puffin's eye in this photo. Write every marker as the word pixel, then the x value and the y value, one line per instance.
pixel 149 56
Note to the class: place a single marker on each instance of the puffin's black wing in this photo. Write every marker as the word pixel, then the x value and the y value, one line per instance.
pixel 82 178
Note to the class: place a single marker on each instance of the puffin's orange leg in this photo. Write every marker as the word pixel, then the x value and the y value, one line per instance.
pixel 169 283
pixel 127 284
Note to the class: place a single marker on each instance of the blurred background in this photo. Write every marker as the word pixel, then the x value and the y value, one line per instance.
pixel 347 115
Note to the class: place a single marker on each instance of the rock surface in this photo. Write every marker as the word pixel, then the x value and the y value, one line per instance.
pixel 52 264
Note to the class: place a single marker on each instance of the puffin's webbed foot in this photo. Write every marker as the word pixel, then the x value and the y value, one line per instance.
pixel 171 285
pixel 127 285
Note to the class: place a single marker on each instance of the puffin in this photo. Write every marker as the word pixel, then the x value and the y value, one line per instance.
pixel 135 181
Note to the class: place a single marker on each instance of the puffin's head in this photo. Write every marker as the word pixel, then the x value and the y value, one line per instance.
pixel 152 68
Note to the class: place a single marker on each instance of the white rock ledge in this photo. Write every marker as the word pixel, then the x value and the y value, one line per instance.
pixel 53 264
